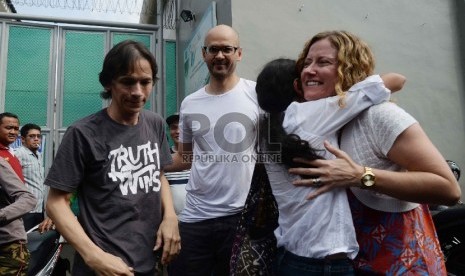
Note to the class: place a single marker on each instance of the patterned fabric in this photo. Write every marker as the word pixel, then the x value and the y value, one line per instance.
pixel 396 243
pixel 254 247
pixel 255 256
pixel 14 259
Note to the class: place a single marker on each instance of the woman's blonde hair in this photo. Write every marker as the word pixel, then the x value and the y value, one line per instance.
pixel 354 57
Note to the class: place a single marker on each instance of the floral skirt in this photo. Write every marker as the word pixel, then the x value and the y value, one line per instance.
pixel 396 243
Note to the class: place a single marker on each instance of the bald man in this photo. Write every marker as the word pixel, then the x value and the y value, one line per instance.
pixel 217 138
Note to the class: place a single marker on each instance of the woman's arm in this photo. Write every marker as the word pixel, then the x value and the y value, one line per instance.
pixel 323 117
pixel 428 179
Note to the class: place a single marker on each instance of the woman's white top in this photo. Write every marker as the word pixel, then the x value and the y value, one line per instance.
pixel 368 139
pixel 322 226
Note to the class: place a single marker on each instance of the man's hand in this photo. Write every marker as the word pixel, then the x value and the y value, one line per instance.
pixel 46 225
pixel 168 237
pixel 106 264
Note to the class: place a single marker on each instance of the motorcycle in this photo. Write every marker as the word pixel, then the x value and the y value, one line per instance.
pixel 450 228
pixel 45 249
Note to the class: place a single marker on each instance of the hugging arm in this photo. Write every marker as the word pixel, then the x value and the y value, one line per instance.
pixel 428 178
pixel 393 81
pixel 327 117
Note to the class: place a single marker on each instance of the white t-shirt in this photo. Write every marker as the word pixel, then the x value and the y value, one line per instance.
pixel 368 139
pixel 222 129
pixel 322 226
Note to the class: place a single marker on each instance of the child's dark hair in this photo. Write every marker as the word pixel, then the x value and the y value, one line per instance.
pixel 275 92
pixel 275 85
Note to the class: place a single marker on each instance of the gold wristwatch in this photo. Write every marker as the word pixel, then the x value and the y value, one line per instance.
pixel 368 178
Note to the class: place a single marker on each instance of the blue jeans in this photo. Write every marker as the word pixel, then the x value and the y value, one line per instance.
pixel 205 247
pixel 290 264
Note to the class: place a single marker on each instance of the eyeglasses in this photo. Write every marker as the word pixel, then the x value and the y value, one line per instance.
pixel 215 50
pixel 32 136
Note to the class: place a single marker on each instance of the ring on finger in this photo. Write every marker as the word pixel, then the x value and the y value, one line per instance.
pixel 317 182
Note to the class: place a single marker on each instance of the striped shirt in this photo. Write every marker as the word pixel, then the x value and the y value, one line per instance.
pixel 33 171
pixel 177 178
pixel 178 182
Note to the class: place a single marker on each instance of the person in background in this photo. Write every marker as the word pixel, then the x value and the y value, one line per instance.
pixel 115 159
pixel 9 129
pixel 389 164
pixel 217 136
pixel 33 170
pixel 177 180
pixel 15 201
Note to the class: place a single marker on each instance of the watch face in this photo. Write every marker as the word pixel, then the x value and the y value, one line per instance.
pixel 369 183
pixel 368 180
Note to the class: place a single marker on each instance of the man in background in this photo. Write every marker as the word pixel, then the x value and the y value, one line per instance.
pixel 15 201
pixel 217 138
pixel 177 180
pixel 9 128
pixel 33 170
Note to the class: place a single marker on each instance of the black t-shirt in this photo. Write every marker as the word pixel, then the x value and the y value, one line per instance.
pixel 116 170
